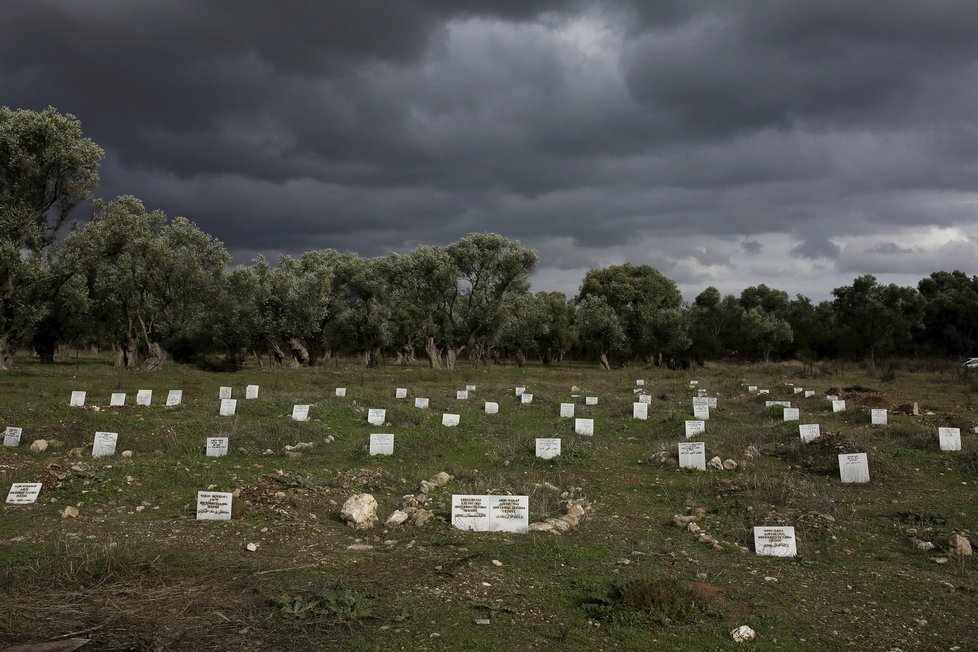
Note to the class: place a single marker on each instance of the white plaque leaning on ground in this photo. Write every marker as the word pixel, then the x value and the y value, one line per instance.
pixel 381 444
pixel 692 455
pixel 853 468
pixel 645 398
pixel 491 513
pixel 590 400
pixel 300 412
pixel 420 402
pixel 118 399
pixel 223 393
pixel 214 506
pixel 701 412
pixel 640 411
pixel 462 395
pixel 775 541
pixel 77 399
pixel 525 398
pixel 694 428
pixel 519 391
pixel 228 407
pixel 547 447
pixel 799 390
pixel 640 383
pixel 491 407
pixel 174 397
pixel 450 420
pixel 878 417
pixel 144 397
pixel 752 388
pixel 838 406
pixel 104 444
pixel 400 392
pixel 23 493
pixel 809 393
pixel 792 414
pixel 376 416
pixel 950 438
pixel 584 427
pixel 809 432
pixel 217 446
pixel 567 410
pixel 340 392
pixel 11 436
pixel 470 388
pixel 251 392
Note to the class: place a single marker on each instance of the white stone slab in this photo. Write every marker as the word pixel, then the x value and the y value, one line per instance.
pixel 838 406
pixel 701 412
pixel 470 388
pixel 711 402
pixel 462 395
pixel 217 446
pixel 831 397
pixel 144 397
pixel 878 417
pixel 174 397
pixel 520 390
pixel 77 399
pixel 23 493
pixel 420 402
pixel 251 392
pixel 809 432
pixel 701 392
pixel 214 505
pixel 640 383
pixel 11 436
pixel 853 468
pixel 694 382
pixel 798 390
pixel 950 438
pixel 692 455
pixel 640 411
pixel 752 388
pixel 584 427
pixel 340 392
pixel 381 444
pixel 525 398
pixel 590 400
pixel 567 410
pixel 645 398
pixel 450 420
pixel 300 412
pixel 104 444
pixel 775 541
pixel 763 391
pixel 491 407
pixel 376 416
pixel 694 428
pixel 509 514
pixel 400 392
pixel 228 407
pixel 792 414
pixel 223 393
pixel 701 400
pixel 770 404
pixel 809 393
pixel 547 447
pixel 118 399
pixel 470 512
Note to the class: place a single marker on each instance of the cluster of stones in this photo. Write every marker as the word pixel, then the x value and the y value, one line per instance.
pixel 574 511
pixel 958 544
pixel 690 523
pixel 360 511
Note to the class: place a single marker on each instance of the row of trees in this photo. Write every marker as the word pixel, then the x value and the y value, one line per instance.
pixel 150 287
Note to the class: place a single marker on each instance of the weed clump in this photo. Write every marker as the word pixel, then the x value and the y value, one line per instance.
pixel 336 603
pixel 647 603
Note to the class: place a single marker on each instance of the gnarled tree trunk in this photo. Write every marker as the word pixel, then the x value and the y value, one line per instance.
pixel 154 357
pixel 604 361
pixel 520 358
pixel 451 356
pixel 300 355
pixel 434 355
pixel 6 353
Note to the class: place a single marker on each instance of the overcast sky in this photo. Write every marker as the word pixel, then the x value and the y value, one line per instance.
pixel 798 143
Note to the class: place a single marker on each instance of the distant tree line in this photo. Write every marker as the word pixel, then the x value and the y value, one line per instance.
pixel 150 287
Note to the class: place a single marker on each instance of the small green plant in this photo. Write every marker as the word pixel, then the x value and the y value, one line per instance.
pixel 341 603
pixel 646 603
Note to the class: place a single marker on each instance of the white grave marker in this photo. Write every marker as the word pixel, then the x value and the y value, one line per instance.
pixel 701 400
pixel 692 455
pixel 228 407
pixel 567 410
pixel 799 390
pixel 174 397
pixel 11 436
pixel 526 399
pixel 400 392
pixel 23 493
pixel 640 411
pixel 450 420
pixel 547 447
pixel 420 402
pixel 640 383
pixel 470 512
pixel 694 428
pixel 584 427
pixel 645 398
pixel 809 393
pixel 711 402
pixel 470 388
pixel 341 392
pixel 878 417
pixel 809 432
pixel 462 395
pixel 694 382
pixel 590 400
pixel 144 397
pixel 118 399
pixel 792 414
pixel 300 412
pixel 251 392
pixel 491 513
pixel 770 404
pixel 214 506
pixel 950 438
pixel 520 390
pixel 763 391
pixel 838 406
pixel 381 444
pixel 775 541
pixel 223 393
pixel 492 408
pixel 376 416
pixel 217 446
pixel 77 399
pixel 104 444
pixel 701 412
pixel 752 388
pixel 831 397
pixel 853 468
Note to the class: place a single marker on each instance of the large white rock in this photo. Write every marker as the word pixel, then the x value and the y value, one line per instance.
pixel 396 519
pixel 360 512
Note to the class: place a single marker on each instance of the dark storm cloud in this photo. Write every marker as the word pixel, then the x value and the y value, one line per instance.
pixel 700 137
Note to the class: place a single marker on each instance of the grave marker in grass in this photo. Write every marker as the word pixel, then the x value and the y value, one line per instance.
pixel 692 455
pixel 701 412
pixel 228 407
pixel 144 397
pixel 547 447
pixel 838 406
pixel 878 417
pixel 421 402
pixel 584 427
pixel 775 541
pixel 590 400
pixel 11 436
pixel 694 428
pixel 214 505
pixel 950 438
pixel 118 399
pixel 526 399
pixel 567 410
pixel 809 432
pixel 491 513
pixel 382 444
pixel 376 416
pixel 251 392
pixel 224 393
pixel 491 407
pixel 640 411
pixel 217 446
pixel 23 493
pixel 450 420
pixel 853 468
pixel 340 392
pixel 300 412
pixel 174 397
pixel 104 444
pixel 792 414
pixel 77 399
pixel 400 392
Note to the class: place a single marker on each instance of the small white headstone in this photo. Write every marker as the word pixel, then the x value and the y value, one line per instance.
pixel 525 398
pixel 792 414
pixel 701 392
pixel 23 493
pixel 640 383
pixel 798 390
pixel 491 407
pixel 462 394
pixel 567 410
pixel 223 393
pixel 77 399
pixel 692 455
pixel 701 412
pixel 376 416
pixel 950 438
pixel 491 513
pixel 878 417
pixel 400 392
pixel 640 411
pixel 381 444
pixel 470 512
pixel 645 398
pixel 118 399
pixel 694 382
pixel 470 388
pixel 853 468
pixel 831 397
pixel 520 390
pixel 547 447
pixel 694 428
pixel 300 412
pixel 420 402
pixel 809 393
pixel 763 391
pixel 701 400
pixel 174 397
pixel 773 403
pixel 711 402
pixel 775 541
pixel 584 427
pixel 104 444
pixel 11 436
pixel 228 407
pixel 144 397
pixel 752 388
pixel 214 506
pixel 341 392
pixel 838 406
pixel 590 400
pixel 217 446
pixel 809 432
pixel 450 420
pixel 251 392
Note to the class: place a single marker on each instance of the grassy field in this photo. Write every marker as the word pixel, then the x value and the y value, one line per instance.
pixel 136 570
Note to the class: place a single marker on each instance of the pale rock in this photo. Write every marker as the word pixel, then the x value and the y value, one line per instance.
pixel 360 546
pixel 360 511
pixel 293 455
pixel 572 521
pixel 540 527
pixel 39 446
pixel 70 512
pixel 560 525
pixel 682 521
pixel 76 452
pixel 280 495
pixel 425 487
pixel 715 463
pixel 439 479
pixel 408 501
pixel 959 545
pixel 699 511
pixel 661 457
pixel 422 516
pixel 496 562
pixel 55 444
pixel 694 528
pixel 743 634
pixel 252 547
pixel 923 546
pixel 729 465
pixel 575 509
pixel 396 518
pixel 127 455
